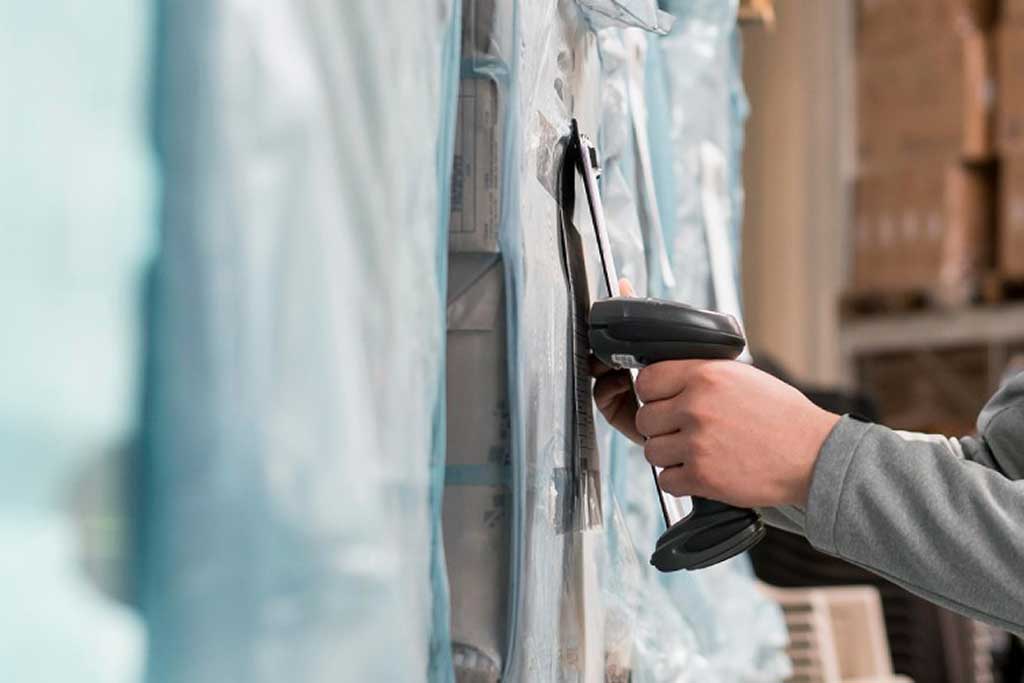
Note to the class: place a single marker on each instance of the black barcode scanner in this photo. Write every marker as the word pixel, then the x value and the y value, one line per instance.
pixel 632 333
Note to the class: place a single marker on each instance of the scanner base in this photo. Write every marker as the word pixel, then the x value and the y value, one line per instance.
pixel 710 534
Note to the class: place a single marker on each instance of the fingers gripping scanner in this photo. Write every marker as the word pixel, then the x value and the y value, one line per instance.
pixel 632 333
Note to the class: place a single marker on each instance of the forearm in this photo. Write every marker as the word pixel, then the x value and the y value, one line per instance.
pixel 946 528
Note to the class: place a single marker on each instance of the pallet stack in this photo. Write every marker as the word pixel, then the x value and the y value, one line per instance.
pixel 937 245
pixel 924 196
pixel 939 197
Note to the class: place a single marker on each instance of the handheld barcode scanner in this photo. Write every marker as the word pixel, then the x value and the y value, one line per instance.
pixel 632 333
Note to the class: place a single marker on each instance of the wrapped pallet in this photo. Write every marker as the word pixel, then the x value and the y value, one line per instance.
pixel 925 131
pixel 291 484
pixel 923 227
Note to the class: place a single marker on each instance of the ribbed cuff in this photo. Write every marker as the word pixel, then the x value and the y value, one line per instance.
pixel 827 480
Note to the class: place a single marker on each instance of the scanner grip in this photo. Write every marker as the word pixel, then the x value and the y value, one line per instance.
pixel 633 333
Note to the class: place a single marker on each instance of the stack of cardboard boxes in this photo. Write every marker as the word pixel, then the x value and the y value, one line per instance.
pixel 925 191
pixel 1010 139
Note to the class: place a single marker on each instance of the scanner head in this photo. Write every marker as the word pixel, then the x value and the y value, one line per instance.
pixel 634 332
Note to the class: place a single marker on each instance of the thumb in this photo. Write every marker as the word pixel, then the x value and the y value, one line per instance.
pixel 625 288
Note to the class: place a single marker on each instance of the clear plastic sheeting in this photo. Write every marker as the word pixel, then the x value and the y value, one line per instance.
pixel 619 162
pixel 696 69
pixel 684 97
pixel 76 210
pixel 296 358
pixel 662 646
pixel 746 638
pixel 624 13
pixel 556 620
pixel 584 603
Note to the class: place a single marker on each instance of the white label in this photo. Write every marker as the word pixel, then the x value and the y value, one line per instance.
pixel 626 360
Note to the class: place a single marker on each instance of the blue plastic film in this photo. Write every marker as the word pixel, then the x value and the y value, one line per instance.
pixel 292 470
pixel 77 196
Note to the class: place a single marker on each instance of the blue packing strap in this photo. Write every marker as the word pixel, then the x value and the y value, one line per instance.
pixel 486 67
pixel 478 475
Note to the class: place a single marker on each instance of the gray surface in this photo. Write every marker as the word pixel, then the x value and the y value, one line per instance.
pixel 934 329
pixel 944 518
pixel 475 510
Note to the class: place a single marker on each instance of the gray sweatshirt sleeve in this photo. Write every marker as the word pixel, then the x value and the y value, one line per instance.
pixel 944 518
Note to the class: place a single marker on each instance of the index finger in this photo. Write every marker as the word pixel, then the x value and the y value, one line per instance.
pixel 598 368
pixel 666 379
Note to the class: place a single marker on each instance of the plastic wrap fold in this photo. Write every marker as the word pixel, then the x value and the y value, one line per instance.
pixel 295 424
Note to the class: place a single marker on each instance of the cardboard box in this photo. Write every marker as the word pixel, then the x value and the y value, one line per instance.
pixel 933 100
pixel 476 511
pixel 1010 240
pixel 1010 87
pixel 1013 11
pixel 933 391
pixel 923 227
pixel 890 27
pixel 475 218
pixel 478 161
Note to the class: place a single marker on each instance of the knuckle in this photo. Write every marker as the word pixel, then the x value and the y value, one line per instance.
pixel 643 418
pixel 698 479
pixel 676 407
pixel 655 452
pixel 649 450
pixel 668 480
pixel 700 410
pixel 690 406
pixel 697 471
pixel 714 375
pixel 645 383
pixel 701 443
pixel 709 375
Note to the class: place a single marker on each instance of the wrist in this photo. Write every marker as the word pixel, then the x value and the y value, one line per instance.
pixel 814 434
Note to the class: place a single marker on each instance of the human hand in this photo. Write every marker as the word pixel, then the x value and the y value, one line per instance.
pixel 729 432
pixel 613 390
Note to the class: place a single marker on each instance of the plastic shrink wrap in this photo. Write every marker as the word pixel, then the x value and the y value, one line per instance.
pixel 537 63
pixel 76 210
pixel 685 180
pixel 527 68
pixel 294 423
pixel 278 125
pixel 522 528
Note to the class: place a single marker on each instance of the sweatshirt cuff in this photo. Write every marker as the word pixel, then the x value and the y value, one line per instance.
pixel 827 479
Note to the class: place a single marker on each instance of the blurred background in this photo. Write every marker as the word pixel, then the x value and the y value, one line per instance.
pixel 284 352
pixel 880 230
